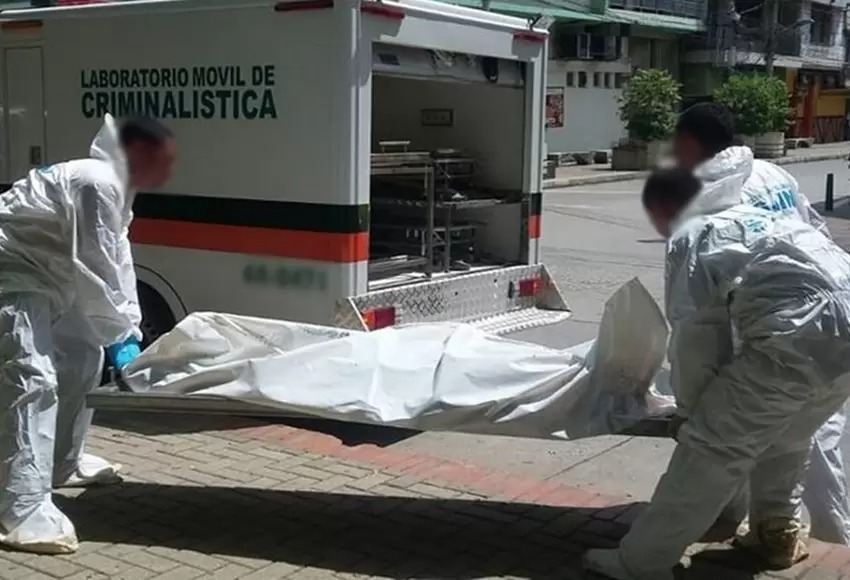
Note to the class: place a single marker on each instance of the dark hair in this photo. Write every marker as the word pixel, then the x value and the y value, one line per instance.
pixel 710 124
pixel 674 187
pixel 139 129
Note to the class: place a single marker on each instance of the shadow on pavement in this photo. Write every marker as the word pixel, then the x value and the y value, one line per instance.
pixel 724 562
pixel 397 537
pixel 840 210
pixel 349 434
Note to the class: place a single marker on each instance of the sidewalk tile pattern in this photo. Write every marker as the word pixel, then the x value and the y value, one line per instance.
pixel 220 498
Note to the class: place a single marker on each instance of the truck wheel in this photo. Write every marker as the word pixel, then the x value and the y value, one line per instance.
pixel 157 318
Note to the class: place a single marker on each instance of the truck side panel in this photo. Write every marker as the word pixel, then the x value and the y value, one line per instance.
pixel 261 110
pixel 244 99
pixel 268 213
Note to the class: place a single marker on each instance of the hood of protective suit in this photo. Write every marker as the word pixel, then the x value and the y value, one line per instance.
pixel 107 147
pixel 723 177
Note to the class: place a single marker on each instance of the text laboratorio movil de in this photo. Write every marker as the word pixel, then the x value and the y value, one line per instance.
pixel 200 92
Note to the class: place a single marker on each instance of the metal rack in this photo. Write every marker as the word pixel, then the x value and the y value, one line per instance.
pixel 395 162
pixel 405 184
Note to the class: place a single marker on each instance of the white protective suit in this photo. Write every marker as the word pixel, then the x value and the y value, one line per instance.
pixel 772 188
pixel 67 289
pixel 755 396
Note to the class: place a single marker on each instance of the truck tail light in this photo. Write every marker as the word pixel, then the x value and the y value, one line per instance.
pixel 529 36
pixel 530 287
pixel 379 317
pixel 384 9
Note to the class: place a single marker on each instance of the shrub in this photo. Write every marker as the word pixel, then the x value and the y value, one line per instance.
pixel 758 103
pixel 649 103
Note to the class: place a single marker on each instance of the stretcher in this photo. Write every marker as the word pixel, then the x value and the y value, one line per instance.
pixel 426 377
pixel 114 398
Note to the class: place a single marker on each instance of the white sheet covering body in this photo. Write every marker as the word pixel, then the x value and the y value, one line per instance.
pixel 442 376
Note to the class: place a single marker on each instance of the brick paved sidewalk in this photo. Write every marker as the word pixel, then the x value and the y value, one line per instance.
pixel 242 499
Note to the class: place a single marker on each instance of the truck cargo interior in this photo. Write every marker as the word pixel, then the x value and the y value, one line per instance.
pixel 448 136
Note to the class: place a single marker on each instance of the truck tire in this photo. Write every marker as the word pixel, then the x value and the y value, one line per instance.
pixel 157 318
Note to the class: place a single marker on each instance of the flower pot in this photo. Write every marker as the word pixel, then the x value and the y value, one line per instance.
pixel 769 145
pixel 638 155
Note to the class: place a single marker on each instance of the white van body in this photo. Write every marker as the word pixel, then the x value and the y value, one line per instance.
pixel 277 108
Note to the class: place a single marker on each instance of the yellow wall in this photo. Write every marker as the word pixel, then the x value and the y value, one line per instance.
pixel 827 104
pixel 790 81
pixel 831 104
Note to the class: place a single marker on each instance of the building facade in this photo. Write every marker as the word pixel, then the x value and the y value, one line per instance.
pixel 595 47
pixel 597 44
pixel 588 67
pixel 807 43
pixel 591 61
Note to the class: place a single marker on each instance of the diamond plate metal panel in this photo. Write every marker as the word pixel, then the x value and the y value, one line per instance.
pixel 520 320
pixel 488 298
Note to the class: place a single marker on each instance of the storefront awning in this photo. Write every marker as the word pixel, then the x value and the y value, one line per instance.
pixel 659 21
pixel 535 8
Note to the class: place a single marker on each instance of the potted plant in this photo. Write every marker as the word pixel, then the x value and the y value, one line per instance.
pixel 648 108
pixel 760 107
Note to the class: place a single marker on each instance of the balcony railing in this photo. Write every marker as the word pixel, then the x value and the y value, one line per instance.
pixel 684 8
pixel 725 37
pixel 820 52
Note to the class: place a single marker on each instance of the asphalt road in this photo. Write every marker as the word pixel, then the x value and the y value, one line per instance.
pixel 595 238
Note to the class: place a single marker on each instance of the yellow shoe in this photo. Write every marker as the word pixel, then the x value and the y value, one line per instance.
pixel 779 542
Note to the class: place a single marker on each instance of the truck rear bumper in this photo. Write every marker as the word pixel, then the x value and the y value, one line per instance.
pixel 501 300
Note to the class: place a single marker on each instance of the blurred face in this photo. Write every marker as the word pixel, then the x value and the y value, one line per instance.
pixel 661 218
pixel 687 152
pixel 150 166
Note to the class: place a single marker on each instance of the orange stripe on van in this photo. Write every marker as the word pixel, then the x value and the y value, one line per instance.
pixel 302 245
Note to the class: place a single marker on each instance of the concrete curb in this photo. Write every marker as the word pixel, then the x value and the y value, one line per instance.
pixel 813 157
pixel 613 177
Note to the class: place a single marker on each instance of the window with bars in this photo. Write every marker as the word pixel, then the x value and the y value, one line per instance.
pixel 821 29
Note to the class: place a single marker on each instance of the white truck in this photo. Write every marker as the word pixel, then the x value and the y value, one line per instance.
pixel 351 162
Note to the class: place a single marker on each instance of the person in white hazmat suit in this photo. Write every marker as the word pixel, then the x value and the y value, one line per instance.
pixel 704 143
pixel 759 308
pixel 67 291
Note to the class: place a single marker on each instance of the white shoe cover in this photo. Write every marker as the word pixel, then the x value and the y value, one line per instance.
pixel 45 531
pixel 607 563
pixel 93 470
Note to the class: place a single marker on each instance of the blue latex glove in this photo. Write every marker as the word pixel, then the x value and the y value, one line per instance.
pixel 123 353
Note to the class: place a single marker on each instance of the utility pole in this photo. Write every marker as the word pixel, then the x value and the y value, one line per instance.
pixel 772 11
pixel 728 42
